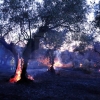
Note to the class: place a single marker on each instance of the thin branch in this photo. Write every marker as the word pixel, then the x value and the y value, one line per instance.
pixel 57 25
pixel 29 27
pixel 19 41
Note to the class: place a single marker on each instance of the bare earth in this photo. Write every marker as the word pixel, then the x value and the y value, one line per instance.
pixel 65 85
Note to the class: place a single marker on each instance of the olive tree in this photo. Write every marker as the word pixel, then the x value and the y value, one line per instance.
pixel 30 21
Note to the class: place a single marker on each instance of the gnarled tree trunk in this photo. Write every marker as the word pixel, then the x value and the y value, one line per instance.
pixel 31 46
pixel 26 56
pixel 51 56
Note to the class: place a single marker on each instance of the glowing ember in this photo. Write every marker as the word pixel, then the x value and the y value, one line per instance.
pixel 80 65
pixel 17 76
pixel 99 70
pixel 30 77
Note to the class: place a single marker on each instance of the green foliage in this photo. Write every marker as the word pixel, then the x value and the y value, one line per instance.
pixel 59 12
pixel 97 15
pixel 54 39
pixel 51 15
pixel 85 40
pixel 97 21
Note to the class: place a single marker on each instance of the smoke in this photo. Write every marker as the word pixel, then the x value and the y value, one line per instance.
pixel 58 55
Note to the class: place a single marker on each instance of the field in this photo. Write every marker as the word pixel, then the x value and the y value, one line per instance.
pixel 64 85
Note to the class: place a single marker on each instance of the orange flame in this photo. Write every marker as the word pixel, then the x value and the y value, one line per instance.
pixel 57 63
pixel 44 61
pixel 17 76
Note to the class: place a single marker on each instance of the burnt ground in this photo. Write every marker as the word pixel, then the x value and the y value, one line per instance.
pixel 65 85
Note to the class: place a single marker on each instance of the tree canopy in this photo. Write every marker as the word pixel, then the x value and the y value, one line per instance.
pixel 97 15
pixel 26 16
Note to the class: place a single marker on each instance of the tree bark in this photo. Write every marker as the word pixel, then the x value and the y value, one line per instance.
pixel 24 76
pixel 31 46
pixel 25 56
pixel 51 56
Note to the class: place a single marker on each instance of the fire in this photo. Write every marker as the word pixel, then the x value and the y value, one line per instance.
pixel 57 63
pixel 17 76
pixel 44 61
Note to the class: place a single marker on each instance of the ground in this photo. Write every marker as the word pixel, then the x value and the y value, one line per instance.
pixel 64 85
